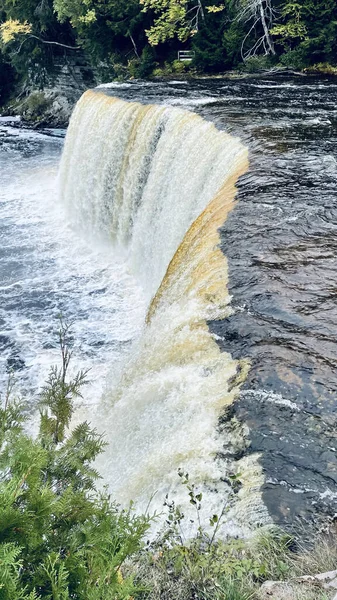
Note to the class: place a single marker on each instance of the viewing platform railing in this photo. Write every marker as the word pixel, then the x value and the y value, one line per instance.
pixel 186 55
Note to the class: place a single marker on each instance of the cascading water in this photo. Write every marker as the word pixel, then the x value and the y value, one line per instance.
pixel 281 246
pixel 158 182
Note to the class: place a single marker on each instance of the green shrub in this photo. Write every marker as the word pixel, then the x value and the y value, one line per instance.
pixel 163 71
pixel 322 69
pixel 179 66
pixel 35 105
pixel 254 64
pixel 147 63
pixel 295 59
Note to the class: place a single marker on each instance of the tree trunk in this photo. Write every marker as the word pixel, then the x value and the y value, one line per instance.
pixel 265 28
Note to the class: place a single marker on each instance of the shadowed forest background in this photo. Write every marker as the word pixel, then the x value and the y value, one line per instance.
pixel 140 38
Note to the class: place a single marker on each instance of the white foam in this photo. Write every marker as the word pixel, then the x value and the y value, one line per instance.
pixel 115 84
pixel 269 396
pixel 138 177
pixel 190 102
pixel 52 269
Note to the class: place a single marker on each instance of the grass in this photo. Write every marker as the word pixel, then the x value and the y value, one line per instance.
pixel 321 558
pixel 234 570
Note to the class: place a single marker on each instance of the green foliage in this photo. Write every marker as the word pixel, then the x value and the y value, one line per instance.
pixel 27 50
pixel 209 43
pixel 232 39
pixel 162 71
pixel 205 566
pixel 179 66
pixel 11 417
pixel 254 64
pixel 322 69
pixel 147 63
pixel 10 566
pixel 272 547
pixel 179 19
pixel 295 59
pixel 292 26
pixel 58 393
pixel 112 31
pixel 34 106
pixel 208 567
pixel 116 36
pixel 7 79
pixel 60 538
pixel 307 31
pixel 171 19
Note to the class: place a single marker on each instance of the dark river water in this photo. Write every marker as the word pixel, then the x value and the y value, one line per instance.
pixel 281 244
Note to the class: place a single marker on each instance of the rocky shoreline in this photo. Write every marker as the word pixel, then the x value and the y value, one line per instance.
pixel 52 105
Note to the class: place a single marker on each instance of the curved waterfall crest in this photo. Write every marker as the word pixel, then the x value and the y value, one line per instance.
pixel 140 175
pixel 158 182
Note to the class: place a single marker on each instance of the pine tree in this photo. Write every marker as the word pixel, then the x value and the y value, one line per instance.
pixel 59 537
pixel 307 31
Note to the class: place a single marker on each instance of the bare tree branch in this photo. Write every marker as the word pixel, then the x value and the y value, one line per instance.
pixel 27 37
pixel 134 45
pixel 260 12
pixel 55 43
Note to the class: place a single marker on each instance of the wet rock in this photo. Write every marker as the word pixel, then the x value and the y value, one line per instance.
pixel 15 363
pixel 297 450
pixel 52 106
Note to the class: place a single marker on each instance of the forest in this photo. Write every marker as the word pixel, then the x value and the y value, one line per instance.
pixel 141 38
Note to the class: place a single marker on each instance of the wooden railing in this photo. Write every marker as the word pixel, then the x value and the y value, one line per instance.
pixel 185 55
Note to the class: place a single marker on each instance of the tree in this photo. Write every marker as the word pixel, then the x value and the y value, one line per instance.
pixel 176 18
pixel 60 538
pixel 258 17
pixel 210 43
pixel 292 27
pixel 7 79
pixel 105 27
pixel 31 38
pixel 307 30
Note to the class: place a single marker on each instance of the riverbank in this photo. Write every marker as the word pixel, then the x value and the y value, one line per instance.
pixel 52 106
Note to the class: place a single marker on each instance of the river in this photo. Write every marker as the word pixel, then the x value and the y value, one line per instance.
pixel 280 242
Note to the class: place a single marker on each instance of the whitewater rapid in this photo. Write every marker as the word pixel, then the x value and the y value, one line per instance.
pixel 46 269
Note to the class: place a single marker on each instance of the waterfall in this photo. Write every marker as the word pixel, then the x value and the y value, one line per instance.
pixel 157 182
